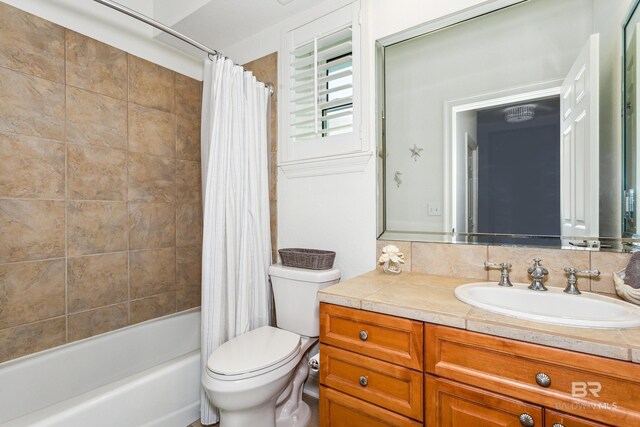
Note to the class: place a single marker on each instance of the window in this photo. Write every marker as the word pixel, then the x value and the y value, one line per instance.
pixel 319 63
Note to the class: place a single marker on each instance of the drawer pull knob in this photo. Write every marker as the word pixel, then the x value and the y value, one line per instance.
pixel 364 381
pixel 558 425
pixel 364 335
pixel 543 379
pixel 526 420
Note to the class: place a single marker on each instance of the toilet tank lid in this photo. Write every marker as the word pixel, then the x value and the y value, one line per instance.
pixel 253 351
pixel 303 274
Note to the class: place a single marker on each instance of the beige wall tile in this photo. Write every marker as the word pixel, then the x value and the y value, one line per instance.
pixel 554 260
pixel 405 248
pixel 31 105
pixel 151 178
pixel 31 291
pixel 188 181
pixel 152 272
pixel 608 263
pixel 449 260
pixel 187 298
pixel 96 227
pixel 188 96
pixel 188 267
pixel 31 167
pixel 151 85
pixel 189 224
pixel 96 281
pixel 96 66
pixel 151 225
pixel 30 44
pixel 188 277
pixel 152 131
pixel 96 173
pixel 31 338
pixel 31 230
pixel 93 322
pixel 188 138
pixel 152 307
pixel 94 119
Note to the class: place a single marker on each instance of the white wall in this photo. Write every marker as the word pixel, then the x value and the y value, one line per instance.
pixel 113 28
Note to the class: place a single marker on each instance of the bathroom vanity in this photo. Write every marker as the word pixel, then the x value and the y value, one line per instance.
pixel 403 351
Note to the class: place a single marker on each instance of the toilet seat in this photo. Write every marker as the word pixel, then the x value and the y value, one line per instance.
pixel 253 353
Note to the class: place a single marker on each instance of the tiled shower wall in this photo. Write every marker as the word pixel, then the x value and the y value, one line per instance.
pixel 100 211
pixel 467 261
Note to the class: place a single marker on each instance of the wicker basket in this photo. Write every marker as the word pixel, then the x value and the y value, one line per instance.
pixel 312 259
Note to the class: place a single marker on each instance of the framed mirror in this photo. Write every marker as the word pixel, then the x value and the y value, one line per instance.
pixel 504 124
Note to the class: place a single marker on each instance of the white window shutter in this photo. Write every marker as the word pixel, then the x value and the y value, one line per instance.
pixel 319 64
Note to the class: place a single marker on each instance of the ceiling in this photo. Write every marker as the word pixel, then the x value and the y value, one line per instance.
pixel 222 23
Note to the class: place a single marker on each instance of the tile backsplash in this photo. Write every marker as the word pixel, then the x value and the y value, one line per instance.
pixel 100 205
pixel 467 261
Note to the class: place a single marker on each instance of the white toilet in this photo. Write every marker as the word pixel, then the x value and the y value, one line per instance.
pixel 256 379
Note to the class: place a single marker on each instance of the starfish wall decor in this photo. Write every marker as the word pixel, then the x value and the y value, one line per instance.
pixel 415 152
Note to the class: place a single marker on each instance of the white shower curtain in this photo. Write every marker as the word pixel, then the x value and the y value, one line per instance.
pixel 236 247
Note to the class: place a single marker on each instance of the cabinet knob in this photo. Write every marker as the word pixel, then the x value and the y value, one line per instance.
pixel 526 420
pixel 364 381
pixel 364 335
pixel 557 425
pixel 543 379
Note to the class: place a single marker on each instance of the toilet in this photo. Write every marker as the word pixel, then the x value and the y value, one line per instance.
pixel 256 378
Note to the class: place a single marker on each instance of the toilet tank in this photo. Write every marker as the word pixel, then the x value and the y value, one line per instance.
pixel 294 292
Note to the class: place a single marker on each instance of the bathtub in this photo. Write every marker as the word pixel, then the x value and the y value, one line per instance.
pixel 142 375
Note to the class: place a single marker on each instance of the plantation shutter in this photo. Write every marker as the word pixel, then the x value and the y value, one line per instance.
pixel 321 87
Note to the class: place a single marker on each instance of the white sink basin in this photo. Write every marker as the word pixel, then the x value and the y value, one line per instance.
pixel 587 310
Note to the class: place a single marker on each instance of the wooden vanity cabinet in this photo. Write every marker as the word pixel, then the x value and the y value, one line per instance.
pixel 382 370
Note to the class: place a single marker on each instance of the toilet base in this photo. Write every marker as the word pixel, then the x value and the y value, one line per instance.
pixel 299 418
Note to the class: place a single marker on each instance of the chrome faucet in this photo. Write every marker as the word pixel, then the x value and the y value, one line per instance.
pixel 572 285
pixel 504 272
pixel 537 272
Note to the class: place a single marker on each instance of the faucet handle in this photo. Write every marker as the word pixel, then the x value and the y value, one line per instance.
pixel 504 272
pixel 572 284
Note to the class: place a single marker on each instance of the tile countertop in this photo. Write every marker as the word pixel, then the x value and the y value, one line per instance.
pixel 431 299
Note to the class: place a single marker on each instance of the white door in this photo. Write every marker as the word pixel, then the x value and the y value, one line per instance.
pixel 579 153
pixel 472 183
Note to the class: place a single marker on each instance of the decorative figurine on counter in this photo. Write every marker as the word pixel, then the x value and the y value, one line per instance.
pixel 391 259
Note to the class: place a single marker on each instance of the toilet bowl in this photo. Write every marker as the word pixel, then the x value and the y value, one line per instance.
pixel 257 378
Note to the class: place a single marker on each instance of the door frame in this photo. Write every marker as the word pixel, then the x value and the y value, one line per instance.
pixel 491 99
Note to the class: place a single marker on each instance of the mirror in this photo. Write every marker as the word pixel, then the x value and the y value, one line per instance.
pixel 631 178
pixel 506 128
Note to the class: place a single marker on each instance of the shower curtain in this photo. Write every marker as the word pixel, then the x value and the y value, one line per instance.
pixel 236 247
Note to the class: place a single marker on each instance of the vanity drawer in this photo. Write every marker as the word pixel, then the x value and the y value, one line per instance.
pixel 393 387
pixel 588 386
pixel 389 338
pixel 558 419
pixel 449 404
pixel 341 410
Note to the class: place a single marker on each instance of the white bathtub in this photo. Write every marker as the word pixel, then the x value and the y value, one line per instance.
pixel 142 375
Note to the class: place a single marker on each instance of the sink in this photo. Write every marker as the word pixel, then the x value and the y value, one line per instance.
pixel 587 310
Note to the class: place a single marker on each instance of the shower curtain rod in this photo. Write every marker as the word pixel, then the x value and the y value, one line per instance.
pixel 160 26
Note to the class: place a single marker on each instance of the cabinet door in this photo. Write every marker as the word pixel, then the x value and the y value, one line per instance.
pixel 450 404
pixel 393 387
pixel 341 410
pixel 389 338
pixel 558 419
